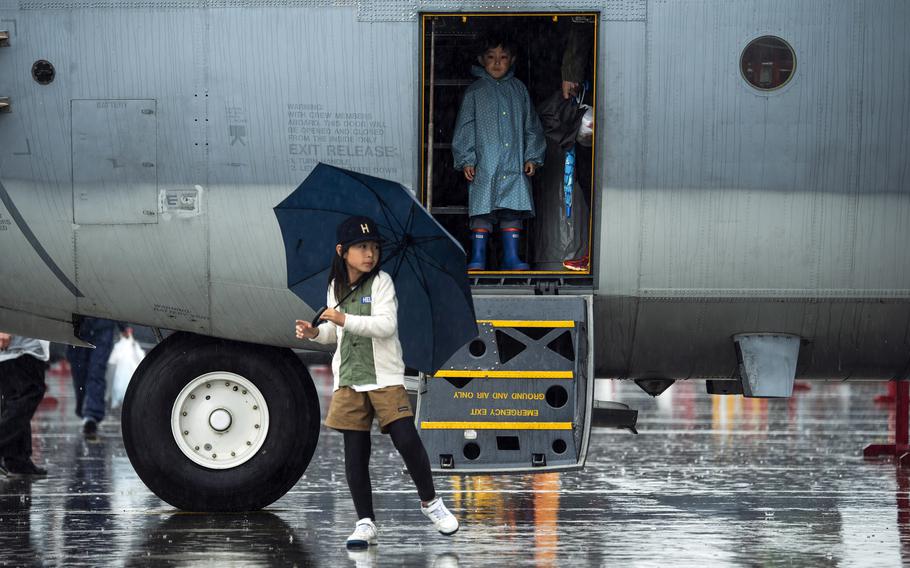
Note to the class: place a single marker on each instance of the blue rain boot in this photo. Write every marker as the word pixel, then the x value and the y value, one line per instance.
pixel 479 238
pixel 510 260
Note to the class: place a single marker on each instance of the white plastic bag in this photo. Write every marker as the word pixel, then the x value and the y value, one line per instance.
pixel 585 134
pixel 125 357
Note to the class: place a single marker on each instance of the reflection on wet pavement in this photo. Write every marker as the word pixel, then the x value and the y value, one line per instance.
pixel 710 480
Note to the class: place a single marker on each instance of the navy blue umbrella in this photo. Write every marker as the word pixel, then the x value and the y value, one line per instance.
pixel 435 308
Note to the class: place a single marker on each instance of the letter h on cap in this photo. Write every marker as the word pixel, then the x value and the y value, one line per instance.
pixel 364 228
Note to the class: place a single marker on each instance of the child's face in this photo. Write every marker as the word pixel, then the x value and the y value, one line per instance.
pixel 362 257
pixel 496 62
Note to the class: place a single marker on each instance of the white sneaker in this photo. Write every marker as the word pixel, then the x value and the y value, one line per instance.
pixel 364 534
pixel 444 521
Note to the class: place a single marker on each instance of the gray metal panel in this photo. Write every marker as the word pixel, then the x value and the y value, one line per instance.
pixel 144 54
pixel 345 102
pixel 747 201
pixel 692 337
pixel 115 178
pixel 367 10
pixel 156 275
pixel 621 122
pixel 18 322
pixel 708 189
pixel 173 4
pixel 35 170
pixel 259 153
pixel 28 279
pixel 239 310
pixel 746 189
pixel 408 10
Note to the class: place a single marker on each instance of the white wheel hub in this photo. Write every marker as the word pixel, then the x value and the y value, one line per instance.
pixel 220 420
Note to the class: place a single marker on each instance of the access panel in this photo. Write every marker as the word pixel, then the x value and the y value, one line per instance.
pixel 115 179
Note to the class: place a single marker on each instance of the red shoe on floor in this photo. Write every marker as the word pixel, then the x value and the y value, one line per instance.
pixel 578 264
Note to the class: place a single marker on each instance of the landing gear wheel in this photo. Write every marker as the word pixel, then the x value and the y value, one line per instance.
pixel 217 425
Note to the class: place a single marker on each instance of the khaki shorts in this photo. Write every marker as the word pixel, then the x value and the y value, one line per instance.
pixel 352 410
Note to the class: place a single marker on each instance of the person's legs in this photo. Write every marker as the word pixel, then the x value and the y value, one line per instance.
pixel 481 226
pixel 357 471
pixel 22 384
pixel 78 358
pixel 351 413
pixel 93 407
pixel 511 238
pixel 397 419
pixel 407 442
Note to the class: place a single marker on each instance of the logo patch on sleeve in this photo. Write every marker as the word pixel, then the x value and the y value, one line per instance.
pixel 366 300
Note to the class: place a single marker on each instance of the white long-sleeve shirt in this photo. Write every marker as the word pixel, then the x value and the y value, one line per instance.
pixel 19 346
pixel 381 326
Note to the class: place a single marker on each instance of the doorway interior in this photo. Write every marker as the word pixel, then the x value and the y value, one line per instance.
pixel 449 48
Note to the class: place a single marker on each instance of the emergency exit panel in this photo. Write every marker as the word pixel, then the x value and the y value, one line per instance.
pixel 519 396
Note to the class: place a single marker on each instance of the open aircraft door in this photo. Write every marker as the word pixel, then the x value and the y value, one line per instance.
pixel 517 398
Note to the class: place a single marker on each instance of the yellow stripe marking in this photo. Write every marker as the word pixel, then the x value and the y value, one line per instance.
pixel 503 374
pixel 529 323
pixel 496 425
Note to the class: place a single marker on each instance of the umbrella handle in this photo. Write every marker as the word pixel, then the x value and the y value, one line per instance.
pixel 316 321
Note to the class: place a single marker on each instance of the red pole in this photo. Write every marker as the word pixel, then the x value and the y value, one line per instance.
pixel 901 446
pixel 901 407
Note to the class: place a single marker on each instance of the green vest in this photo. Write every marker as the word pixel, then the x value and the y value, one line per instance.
pixel 356 366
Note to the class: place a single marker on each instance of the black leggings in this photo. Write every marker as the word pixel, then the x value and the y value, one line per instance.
pixel 357 464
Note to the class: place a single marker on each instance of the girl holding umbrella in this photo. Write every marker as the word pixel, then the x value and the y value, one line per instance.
pixel 368 372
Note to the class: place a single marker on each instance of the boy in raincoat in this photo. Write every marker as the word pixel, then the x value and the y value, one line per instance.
pixel 498 144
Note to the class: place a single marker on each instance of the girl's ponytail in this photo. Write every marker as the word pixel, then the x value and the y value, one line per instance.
pixel 338 276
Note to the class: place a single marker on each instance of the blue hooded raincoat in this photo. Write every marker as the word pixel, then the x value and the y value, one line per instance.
pixel 497 131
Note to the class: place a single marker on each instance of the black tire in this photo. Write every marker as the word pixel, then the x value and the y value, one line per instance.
pixel 293 431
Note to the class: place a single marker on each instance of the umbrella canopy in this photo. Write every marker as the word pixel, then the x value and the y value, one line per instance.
pixel 435 308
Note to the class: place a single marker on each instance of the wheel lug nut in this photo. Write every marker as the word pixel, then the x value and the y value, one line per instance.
pixel 233 454
pixel 257 425
pixel 255 407
pixel 244 391
pixel 184 413
pixel 192 396
pixel 249 444
pixel 235 389
pixel 186 432
pixel 214 455
pixel 208 385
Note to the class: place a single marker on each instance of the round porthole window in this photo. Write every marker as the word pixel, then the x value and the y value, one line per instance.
pixel 767 63
pixel 43 72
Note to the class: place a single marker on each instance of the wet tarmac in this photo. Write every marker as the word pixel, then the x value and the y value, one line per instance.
pixel 710 481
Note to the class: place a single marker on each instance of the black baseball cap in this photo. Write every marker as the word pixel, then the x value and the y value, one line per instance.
pixel 355 230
